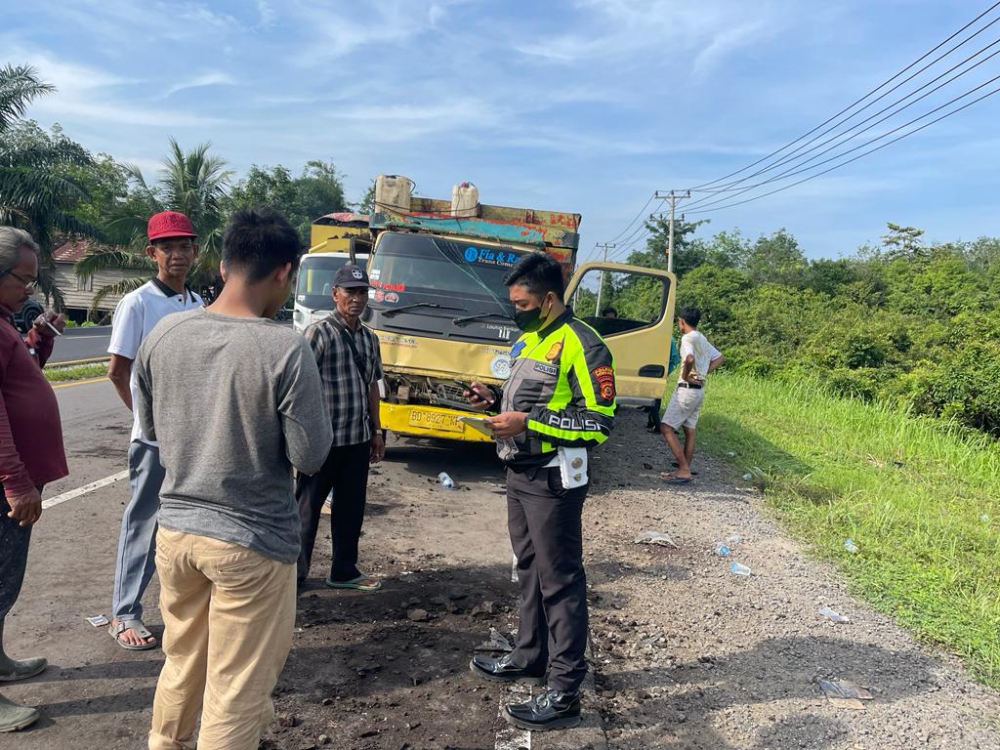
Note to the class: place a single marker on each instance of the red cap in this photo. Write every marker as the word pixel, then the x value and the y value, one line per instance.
pixel 169 224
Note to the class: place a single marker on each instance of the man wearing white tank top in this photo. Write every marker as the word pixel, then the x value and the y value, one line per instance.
pixel 698 359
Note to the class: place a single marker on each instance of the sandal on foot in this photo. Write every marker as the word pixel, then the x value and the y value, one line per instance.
pixel 23 669
pixel 140 630
pixel 361 583
pixel 671 479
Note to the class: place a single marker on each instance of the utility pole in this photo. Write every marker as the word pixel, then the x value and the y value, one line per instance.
pixel 673 197
pixel 606 246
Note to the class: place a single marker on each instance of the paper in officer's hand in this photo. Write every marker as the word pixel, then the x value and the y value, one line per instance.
pixel 478 423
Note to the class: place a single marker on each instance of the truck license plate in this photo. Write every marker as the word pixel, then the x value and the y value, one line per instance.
pixel 429 420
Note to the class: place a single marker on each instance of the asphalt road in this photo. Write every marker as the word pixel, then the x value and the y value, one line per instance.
pixel 85 343
pixel 81 343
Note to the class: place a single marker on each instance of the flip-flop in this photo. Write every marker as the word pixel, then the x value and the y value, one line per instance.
pixel 671 479
pixel 140 630
pixel 355 584
pixel 693 472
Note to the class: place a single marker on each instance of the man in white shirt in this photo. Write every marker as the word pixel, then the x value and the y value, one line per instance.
pixel 173 245
pixel 698 359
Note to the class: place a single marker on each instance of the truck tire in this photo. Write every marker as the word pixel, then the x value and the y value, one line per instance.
pixel 27 314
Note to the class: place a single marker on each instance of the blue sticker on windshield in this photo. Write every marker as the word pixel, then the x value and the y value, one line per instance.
pixel 490 257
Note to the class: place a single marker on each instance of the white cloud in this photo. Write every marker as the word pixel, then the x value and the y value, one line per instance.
pixel 266 13
pixel 727 42
pixel 93 94
pixel 216 78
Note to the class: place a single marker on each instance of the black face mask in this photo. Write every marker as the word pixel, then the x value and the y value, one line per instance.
pixel 529 321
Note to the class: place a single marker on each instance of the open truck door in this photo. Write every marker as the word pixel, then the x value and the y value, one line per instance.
pixel 639 334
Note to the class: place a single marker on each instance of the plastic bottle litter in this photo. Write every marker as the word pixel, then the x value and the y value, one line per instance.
pixel 656 537
pixel 731 454
pixel 747 477
pixel 738 569
pixel 984 518
pixel 447 482
pixel 721 550
pixel 834 616
pixel 735 539
pixel 851 547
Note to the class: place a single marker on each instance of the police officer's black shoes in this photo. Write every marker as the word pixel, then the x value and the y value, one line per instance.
pixel 503 670
pixel 550 710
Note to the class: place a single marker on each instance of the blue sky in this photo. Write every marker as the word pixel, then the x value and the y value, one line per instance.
pixel 585 105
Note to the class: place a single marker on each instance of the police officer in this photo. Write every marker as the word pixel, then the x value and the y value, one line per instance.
pixel 558 401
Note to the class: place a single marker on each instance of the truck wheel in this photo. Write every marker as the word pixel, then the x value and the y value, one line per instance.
pixel 27 314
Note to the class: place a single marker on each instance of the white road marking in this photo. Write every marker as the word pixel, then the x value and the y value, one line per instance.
pixel 508 736
pixel 59 499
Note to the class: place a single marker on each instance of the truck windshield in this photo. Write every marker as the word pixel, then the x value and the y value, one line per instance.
pixel 457 275
pixel 316 273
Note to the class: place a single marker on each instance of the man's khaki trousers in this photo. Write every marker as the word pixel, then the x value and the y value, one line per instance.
pixel 228 614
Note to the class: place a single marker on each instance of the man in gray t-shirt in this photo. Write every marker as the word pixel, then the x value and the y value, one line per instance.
pixel 235 402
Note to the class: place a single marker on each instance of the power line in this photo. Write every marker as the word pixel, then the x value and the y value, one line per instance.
pixel 801 167
pixel 854 104
pixel 877 148
pixel 631 239
pixel 789 158
pixel 623 249
pixel 638 216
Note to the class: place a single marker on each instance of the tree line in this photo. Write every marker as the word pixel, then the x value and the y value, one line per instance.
pixel 904 320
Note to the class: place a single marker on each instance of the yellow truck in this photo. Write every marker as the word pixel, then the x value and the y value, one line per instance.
pixel 441 312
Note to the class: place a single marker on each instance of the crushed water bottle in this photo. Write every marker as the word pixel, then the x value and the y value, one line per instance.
pixel 721 550
pixel 834 616
pixel 447 482
pixel 738 569
pixel 851 547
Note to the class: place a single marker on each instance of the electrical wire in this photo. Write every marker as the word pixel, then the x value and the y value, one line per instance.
pixel 854 104
pixel 801 167
pixel 733 186
pixel 705 209
pixel 638 216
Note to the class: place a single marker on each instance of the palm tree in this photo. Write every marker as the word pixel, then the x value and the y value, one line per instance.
pixel 19 86
pixel 36 191
pixel 194 183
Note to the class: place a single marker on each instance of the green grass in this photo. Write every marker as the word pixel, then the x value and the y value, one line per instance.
pixel 56 374
pixel 920 497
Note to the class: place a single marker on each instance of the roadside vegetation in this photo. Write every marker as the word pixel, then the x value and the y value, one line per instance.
pixel 56 374
pixel 919 496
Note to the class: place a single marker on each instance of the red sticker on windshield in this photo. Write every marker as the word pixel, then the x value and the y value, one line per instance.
pixel 392 298
pixel 388 287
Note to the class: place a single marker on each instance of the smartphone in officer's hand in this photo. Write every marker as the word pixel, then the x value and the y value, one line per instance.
pixel 478 394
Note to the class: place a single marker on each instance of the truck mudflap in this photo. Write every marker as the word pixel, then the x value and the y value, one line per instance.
pixel 430 422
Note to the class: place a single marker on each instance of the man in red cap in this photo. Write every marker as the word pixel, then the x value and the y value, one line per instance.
pixel 173 246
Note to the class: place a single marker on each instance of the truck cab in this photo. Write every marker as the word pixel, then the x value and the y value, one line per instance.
pixel 441 310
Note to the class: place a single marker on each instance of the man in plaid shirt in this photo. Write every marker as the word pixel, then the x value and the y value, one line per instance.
pixel 350 367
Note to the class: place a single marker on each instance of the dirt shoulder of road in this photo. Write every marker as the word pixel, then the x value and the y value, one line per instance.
pixel 685 654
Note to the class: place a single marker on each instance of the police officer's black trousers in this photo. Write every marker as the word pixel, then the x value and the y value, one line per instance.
pixel 545 523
